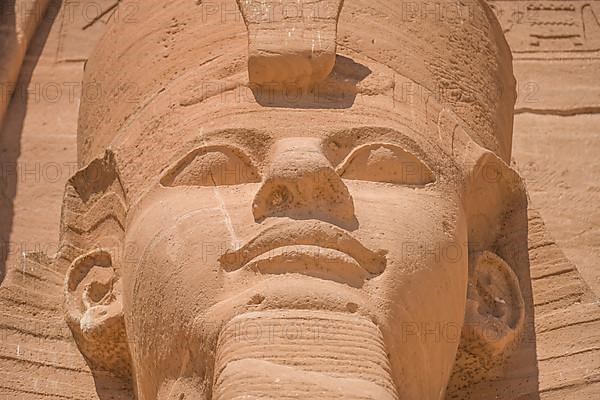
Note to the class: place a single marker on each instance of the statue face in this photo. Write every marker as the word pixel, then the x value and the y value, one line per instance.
pixel 331 216
pixel 313 242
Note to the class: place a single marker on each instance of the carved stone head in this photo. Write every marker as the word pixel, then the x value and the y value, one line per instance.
pixel 311 199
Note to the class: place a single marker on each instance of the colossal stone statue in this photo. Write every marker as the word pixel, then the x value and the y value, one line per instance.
pixel 299 217
pixel 309 199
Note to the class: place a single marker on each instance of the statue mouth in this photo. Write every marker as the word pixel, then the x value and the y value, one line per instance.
pixel 313 248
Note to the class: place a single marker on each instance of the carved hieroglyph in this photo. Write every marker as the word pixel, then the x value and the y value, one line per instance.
pixel 556 46
pixel 356 235
pixel 545 27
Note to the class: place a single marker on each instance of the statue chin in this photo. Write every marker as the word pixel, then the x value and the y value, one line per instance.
pixel 304 352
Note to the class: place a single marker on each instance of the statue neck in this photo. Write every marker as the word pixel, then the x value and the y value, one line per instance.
pixel 302 354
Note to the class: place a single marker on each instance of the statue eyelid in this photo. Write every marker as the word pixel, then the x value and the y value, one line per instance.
pixel 213 165
pixel 385 163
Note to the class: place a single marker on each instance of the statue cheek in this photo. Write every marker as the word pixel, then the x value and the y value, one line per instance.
pixel 179 262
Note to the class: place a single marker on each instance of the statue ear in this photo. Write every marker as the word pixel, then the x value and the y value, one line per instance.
pixel 94 312
pixel 495 309
pixel 495 312
pixel 495 205
pixel 92 234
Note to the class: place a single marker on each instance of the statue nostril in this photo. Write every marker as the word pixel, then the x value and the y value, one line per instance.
pixel 280 197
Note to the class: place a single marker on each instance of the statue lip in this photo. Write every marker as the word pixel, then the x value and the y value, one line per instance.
pixel 300 242
pixel 315 261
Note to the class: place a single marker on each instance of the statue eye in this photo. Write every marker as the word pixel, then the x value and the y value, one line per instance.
pixel 385 163
pixel 212 166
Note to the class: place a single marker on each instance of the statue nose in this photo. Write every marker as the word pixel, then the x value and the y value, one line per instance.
pixel 302 184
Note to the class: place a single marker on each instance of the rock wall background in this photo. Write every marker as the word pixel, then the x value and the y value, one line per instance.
pixel 38 137
pixel 556 51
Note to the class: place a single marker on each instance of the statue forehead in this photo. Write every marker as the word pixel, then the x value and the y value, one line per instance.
pixel 176 105
pixel 160 125
pixel 370 95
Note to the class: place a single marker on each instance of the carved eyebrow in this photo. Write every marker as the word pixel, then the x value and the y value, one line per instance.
pixel 413 171
pixel 345 141
pixel 237 132
pixel 253 142
pixel 363 133
pixel 177 167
